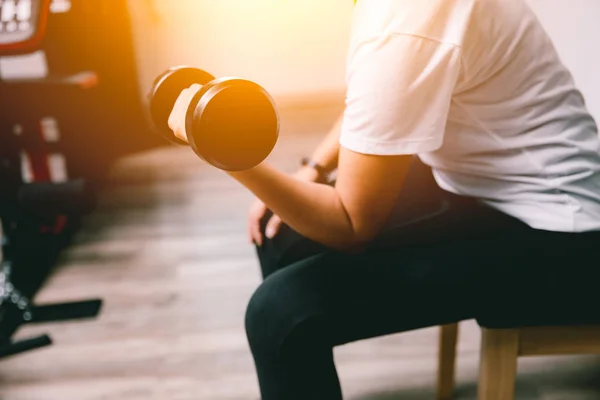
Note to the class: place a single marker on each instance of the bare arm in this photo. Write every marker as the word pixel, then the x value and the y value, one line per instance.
pixel 327 153
pixel 346 216
pixel 343 217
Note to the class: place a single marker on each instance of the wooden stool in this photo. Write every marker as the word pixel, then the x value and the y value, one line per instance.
pixel 500 349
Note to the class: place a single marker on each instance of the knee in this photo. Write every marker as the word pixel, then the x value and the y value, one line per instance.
pixel 277 316
pixel 262 316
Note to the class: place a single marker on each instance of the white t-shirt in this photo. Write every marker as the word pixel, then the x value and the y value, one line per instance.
pixel 478 91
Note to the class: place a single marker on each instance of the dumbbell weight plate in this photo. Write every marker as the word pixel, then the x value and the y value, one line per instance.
pixel 232 124
pixel 165 91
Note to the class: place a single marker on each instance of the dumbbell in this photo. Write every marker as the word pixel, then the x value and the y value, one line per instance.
pixel 231 123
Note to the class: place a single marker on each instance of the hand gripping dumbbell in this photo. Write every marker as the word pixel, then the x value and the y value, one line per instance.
pixel 231 123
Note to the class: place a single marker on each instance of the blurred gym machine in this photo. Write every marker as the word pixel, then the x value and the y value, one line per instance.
pixel 25 209
pixel 38 204
pixel 87 81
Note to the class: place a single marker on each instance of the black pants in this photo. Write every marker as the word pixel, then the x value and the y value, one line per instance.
pixel 441 259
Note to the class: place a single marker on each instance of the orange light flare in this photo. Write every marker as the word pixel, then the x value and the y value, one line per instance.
pixel 288 46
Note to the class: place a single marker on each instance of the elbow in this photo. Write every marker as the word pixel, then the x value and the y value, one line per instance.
pixel 359 230
pixel 356 241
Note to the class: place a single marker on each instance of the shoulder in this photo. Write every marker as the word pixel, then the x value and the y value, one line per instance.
pixel 438 20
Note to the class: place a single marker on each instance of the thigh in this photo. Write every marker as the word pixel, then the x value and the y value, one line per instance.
pixel 431 266
pixel 344 298
pixel 543 278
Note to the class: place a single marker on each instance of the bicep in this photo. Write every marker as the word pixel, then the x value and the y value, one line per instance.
pixel 399 93
pixel 369 187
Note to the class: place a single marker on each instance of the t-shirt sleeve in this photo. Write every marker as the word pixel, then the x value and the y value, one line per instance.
pixel 399 90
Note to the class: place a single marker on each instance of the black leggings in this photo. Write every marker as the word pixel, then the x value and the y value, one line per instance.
pixel 441 259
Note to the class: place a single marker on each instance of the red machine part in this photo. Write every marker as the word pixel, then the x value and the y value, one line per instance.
pixel 40 9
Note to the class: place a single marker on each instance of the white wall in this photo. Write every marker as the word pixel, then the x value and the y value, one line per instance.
pixel 298 47
pixel 292 47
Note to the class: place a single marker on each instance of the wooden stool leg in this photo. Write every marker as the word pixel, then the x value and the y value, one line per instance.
pixel 447 361
pixel 498 369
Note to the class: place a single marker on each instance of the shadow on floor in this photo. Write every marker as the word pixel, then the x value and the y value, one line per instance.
pixel 463 392
pixel 576 380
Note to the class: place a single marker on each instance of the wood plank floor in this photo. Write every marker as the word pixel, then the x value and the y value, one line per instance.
pixel 167 251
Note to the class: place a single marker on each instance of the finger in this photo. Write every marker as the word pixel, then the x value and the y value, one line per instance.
pixel 176 117
pixel 182 104
pixel 255 215
pixel 184 100
pixel 256 233
pixel 273 226
pixel 249 228
pixel 250 232
pixel 195 88
pixel 172 121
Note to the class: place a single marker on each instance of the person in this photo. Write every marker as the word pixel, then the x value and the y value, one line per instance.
pixel 467 186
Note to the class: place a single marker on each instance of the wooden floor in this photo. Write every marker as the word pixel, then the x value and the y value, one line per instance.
pixel 167 251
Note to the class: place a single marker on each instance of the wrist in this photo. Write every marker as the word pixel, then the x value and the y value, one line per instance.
pixel 317 171
pixel 308 174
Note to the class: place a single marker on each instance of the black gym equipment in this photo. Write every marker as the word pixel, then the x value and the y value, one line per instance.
pixel 23 208
pixel 231 123
pixel 16 310
pixel 38 218
pixel 47 199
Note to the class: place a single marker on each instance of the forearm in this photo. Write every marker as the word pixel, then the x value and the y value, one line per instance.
pixel 313 210
pixel 327 153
